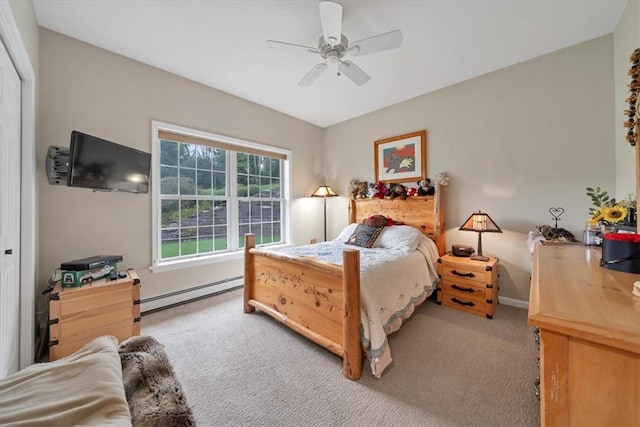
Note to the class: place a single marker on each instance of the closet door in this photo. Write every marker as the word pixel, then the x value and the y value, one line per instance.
pixel 10 140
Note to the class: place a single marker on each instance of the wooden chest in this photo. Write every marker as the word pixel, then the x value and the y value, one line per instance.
pixel 468 285
pixel 105 307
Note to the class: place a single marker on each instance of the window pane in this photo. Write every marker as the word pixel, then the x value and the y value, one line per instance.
pixel 205 212
pixel 205 239
pixel 275 168
pixel 188 241
pixel 204 157
pixel 204 183
pixel 187 155
pixel 242 163
pixel 220 242
pixel 219 159
pixel 243 213
pixel 275 188
pixel 243 190
pixel 169 243
pixel 254 164
pixel 168 180
pixel 187 214
pixel 254 186
pixel 219 184
pixel 169 153
pixel 256 212
pixel 169 214
pixel 187 181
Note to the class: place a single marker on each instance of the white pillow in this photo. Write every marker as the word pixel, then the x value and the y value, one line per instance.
pixel 401 237
pixel 347 232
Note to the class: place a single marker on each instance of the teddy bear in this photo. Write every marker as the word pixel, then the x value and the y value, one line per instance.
pixel 399 192
pixel 352 189
pixel 442 179
pixel 360 191
pixel 378 190
pixel 425 188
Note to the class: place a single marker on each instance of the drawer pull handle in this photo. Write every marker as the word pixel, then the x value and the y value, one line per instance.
pixel 455 273
pixel 458 288
pixel 457 301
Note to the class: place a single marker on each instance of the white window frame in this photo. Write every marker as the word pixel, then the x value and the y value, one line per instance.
pixel 159 265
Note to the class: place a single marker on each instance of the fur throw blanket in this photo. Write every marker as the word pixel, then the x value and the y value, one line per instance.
pixel 154 393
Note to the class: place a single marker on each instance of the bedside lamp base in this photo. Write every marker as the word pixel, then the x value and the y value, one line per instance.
pixel 480 257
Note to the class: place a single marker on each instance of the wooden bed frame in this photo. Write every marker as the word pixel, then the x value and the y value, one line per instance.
pixel 321 301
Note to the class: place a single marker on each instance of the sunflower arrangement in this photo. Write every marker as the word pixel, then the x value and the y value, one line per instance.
pixel 607 211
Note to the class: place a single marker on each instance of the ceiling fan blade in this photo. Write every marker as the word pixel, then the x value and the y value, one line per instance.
pixel 313 74
pixel 290 46
pixel 331 18
pixel 385 41
pixel 354 72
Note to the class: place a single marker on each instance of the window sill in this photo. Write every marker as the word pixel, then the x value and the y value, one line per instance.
pixel 205 260
pixel 195 262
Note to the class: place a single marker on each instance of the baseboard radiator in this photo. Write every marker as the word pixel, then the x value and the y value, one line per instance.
pixel 172 299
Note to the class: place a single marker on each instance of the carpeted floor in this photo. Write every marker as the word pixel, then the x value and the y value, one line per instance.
pixel 449 369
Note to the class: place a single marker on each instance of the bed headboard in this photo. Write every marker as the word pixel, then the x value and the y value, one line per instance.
pixel 424 213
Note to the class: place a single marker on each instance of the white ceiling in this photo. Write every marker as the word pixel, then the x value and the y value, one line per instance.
pixel 222 43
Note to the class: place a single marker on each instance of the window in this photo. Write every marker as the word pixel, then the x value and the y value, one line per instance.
pixel 209 191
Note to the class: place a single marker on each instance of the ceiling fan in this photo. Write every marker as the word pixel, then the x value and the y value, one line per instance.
pixel 333 46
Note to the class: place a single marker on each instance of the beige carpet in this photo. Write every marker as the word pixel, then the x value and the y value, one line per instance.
pixel 449 369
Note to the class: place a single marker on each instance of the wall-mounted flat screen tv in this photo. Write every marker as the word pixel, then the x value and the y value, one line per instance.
pixel 104 165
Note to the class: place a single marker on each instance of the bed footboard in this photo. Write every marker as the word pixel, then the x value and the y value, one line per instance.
pixel 320 301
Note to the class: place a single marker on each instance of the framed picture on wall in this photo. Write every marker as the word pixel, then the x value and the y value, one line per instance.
pixel 401 158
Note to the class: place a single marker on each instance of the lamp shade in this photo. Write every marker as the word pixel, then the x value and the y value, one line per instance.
pixel 480 223
pixel 324 191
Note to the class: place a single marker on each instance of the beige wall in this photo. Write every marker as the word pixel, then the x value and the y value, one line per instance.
pixel 626 40
pixel 515 142
pixel 86 88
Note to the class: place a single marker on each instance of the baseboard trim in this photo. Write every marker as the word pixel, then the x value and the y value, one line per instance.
pixel 513 302
pixel 172 299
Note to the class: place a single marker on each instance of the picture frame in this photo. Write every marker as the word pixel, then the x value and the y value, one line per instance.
pixel 401 158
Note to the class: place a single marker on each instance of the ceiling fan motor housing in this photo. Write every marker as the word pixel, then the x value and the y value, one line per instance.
pixel 335 52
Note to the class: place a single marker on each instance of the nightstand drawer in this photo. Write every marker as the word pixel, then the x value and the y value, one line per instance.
pixel 471 305
pixel 464 271
pixel 462 288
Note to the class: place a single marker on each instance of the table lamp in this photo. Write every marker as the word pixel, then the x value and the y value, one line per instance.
pixel 324 191
pixel 480 223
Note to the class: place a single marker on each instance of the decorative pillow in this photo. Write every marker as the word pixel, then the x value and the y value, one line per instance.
pixel 400 237
pixel 347 232
pixel 364 236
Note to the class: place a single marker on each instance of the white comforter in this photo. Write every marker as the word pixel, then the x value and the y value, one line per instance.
pixel 392 284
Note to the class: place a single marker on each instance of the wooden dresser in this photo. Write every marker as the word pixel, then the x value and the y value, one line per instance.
pixel 104 307
pixel 589 325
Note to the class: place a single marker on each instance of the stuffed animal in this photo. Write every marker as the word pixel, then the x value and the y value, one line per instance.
pixel 425 188
pixel 442 179
pixel 353 187
pixel 399 192
pixel 361 190
pixel 379 190
pixel 411 192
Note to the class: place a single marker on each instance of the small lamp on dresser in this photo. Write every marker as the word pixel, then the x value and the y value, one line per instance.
pixel 480 222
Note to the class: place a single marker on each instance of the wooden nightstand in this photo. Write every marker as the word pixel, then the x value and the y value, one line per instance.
pixel 105 307
pixel 468 285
